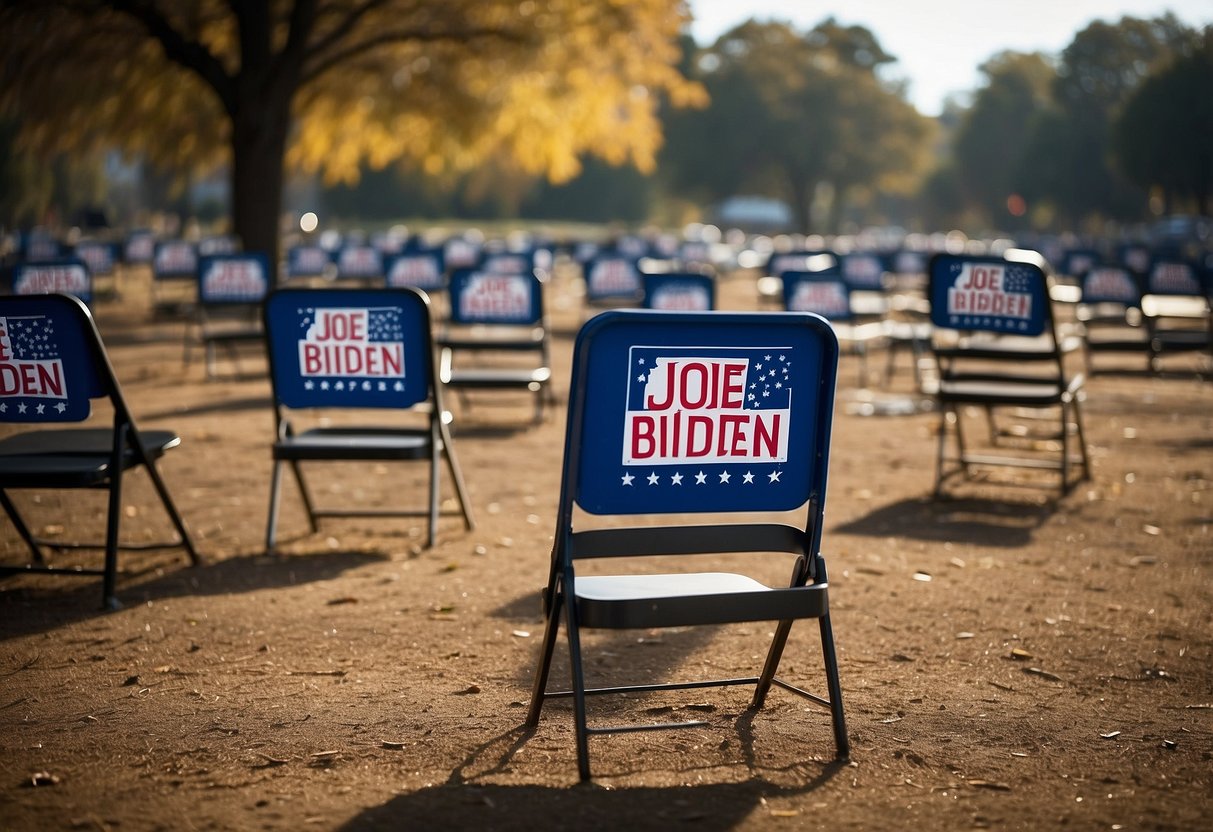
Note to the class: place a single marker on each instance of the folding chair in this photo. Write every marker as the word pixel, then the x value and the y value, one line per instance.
pixel 825 293
pixel 70 276
pixel 613 280
pixel 672 414
pixel 227 315
pixel 996 344
pixel 336 352
pixel 680 292
pixel 497 336
pixel 174 268
pixel 1109 312
pixel 53 365
pixel 1176 309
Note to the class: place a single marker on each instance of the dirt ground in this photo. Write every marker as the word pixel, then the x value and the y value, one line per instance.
pixel 1009 660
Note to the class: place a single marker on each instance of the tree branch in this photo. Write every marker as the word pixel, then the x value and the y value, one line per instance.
pixel 181 50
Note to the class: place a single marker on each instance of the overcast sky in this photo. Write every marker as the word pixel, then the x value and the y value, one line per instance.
pixel 940 43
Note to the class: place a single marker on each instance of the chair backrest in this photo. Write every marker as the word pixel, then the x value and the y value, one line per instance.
pixel 420 268
pixel 1111 284
pixel 1076 262
pixel 52 363
pixel 233 279
pixel 480 297
pixel 139 247
pixel 990 294
pixel 70 276
pixel 308 261
pixel 100 257
pixel 822 292
pixel 680 292
pixel 613 277
pixel 174 260
pixel 349 348
pixel 507 262
pixel 359 261
pixel 1175 276
pixel 699 412
pixel 863 270
pixel 804 260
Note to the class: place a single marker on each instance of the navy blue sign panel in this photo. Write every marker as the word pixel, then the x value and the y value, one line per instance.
pixel 910 262
pixel 359 262
pixel 1135 257
pixel 613 277
pixel 680 292
pixel 1111 284
pixel 507 262
pixel 700 412
pixel 218 244
pixel 824 293
pixel 47 369
pixel 307 261
pixel 421 268
pixel 809 260
pixel 479 297
pixel 988 294
pixel 1076 262
pixel 233 278
pixel 98 256
pixel 349 348
pixel 862 270
pixel 140 247
pixel 174 259
pixel 40 246
pixel 69 276
pixel 460 253
pixel 1174 277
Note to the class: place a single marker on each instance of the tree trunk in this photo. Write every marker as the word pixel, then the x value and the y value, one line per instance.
pixel 259 131
pixel 802 192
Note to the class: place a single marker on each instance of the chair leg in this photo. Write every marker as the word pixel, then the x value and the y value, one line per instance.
pixel 834 686
pixel 167 501
pixel 22 529
pixel 271 525
pixel 305 495
pixel 109 600
pixel 946 415
pixel 577 672
pixel 448 448
pixel 774 654
pixel 550 630
pixel 435 466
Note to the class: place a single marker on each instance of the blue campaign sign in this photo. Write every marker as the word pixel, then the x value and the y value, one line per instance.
pixel 46 366
pixel 1174 277
pixel 174 259
pixel 1135 257
pixel 479 297
pixel 460 253
pixel 349 348
pixel 359 262
pixel 611 277
pixel 507 262
pixel 421 268
pixel 1076 262
pixel 218 244
pixel 69 276
pixel 909 261
pixel 1110 284
pixel 98 256
pixel 701 412
pixel 40 246
pixel 862 270
pixel 307 261
pixel 681 292
pixel 233 278
pixel 140 247
pixel 809 260
pixel 988 294
pixel 822 292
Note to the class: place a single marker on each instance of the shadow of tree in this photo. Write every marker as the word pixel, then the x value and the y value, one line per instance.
pixel 1002 523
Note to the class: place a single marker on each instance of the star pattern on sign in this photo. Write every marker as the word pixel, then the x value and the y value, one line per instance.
pixel 653 478
pixel 748 478
pixel 724 478
pixel 701 478
pixel 627 479
pixel 676 479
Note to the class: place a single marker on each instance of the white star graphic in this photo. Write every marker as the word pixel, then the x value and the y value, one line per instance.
pixel 3 408
pixel 61 407
pixel 324 385
pixel 21 407
pixel 724 476
pixel 41 409
pixel 309 384
pixel 676 479
pixel 757 366
pixel 766 393
pixel 398 386
pixel 751 397
pixel 778 385
pixel 627 479
pixel 653 478
pixel 774 476
pixel 640 377
pixel 749 478
pixel 701 478
pixel 766 358
pixel 782 357
pixel 639 360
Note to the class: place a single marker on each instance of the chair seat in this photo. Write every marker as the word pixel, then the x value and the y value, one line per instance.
pixel 69 458
pixel 1024 394
pixel 686 599
pixel 499 377
pixel 354 443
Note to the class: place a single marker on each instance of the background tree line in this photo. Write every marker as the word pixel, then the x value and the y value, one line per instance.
pixel 566 110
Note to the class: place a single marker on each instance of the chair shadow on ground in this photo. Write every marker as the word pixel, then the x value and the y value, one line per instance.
pixel 66 600
pixel 465 801
pixel 987 522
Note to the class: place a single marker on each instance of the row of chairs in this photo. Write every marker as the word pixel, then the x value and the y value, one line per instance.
pixel 636 376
